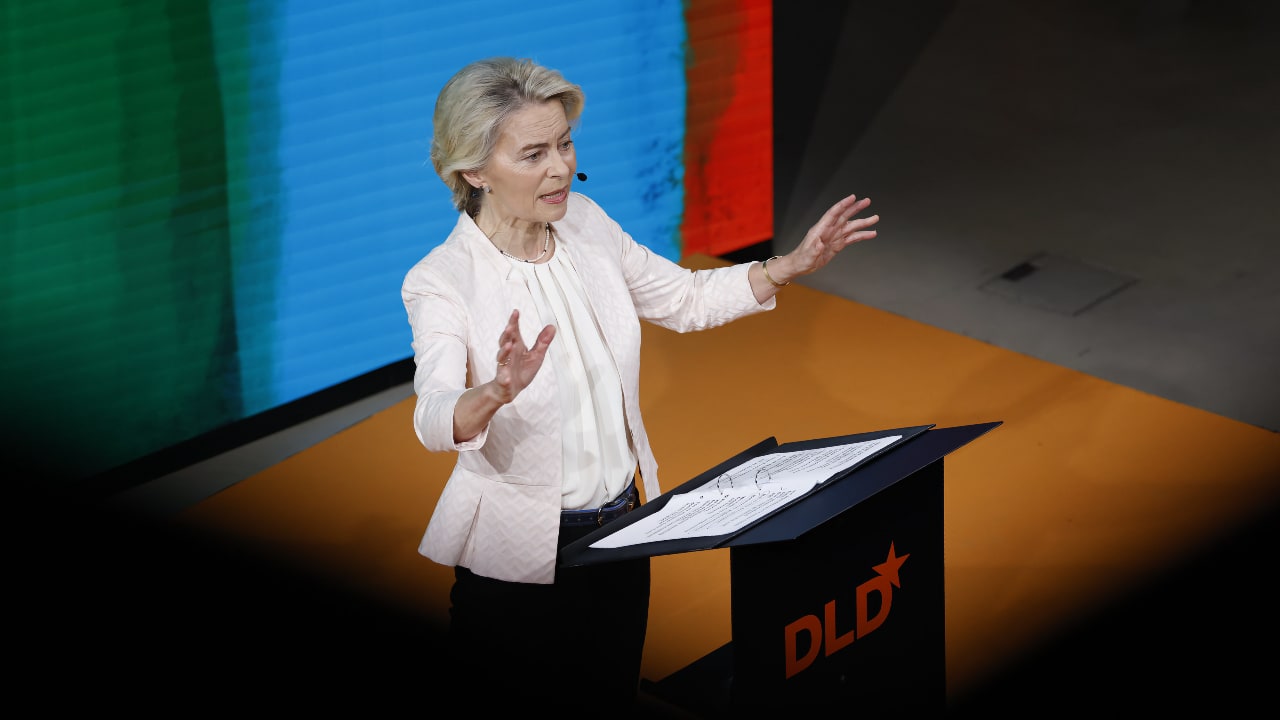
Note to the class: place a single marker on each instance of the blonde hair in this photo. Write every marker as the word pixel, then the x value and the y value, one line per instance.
pixel 472 108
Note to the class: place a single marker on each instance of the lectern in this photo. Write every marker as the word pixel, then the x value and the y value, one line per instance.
pixel 837 597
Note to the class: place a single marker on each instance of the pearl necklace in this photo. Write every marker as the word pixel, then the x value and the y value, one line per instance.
pixel 546 245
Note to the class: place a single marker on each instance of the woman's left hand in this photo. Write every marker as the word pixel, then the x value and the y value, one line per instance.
pixel 838 228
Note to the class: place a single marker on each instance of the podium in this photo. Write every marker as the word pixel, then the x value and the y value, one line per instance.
pixel 837 598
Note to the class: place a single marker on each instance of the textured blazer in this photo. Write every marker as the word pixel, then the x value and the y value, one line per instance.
pixel 499 513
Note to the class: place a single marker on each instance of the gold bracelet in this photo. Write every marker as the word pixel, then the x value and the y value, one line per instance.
pixel 765 266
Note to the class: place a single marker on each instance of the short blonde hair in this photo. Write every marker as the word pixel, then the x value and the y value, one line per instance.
pixel 472 108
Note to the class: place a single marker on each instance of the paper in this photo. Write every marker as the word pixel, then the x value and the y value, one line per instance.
pixel 744 493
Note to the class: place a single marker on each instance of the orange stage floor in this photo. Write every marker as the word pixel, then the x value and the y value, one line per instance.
pixel 1086 492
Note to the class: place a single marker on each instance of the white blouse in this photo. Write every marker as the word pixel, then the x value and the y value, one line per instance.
pixel 598 463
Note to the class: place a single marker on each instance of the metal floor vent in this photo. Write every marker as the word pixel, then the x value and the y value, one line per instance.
pixel 1057 284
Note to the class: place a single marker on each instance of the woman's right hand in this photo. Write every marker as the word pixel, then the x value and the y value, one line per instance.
pixel 518 363
pixel 517 366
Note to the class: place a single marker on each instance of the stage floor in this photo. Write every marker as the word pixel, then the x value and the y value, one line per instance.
pixel 1085 497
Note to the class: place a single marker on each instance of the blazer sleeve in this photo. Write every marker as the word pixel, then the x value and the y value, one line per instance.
pixel 675 297
pixel 438 318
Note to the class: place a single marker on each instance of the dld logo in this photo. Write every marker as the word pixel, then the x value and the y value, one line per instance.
pixel 822 632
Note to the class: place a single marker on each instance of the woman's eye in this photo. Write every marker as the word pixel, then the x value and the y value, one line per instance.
pixel 566 144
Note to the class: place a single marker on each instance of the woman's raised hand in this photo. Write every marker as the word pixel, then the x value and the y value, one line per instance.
pixel 518 363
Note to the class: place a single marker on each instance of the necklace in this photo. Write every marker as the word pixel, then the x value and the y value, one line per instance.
pixel 546 245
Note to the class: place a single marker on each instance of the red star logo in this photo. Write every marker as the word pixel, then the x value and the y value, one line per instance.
pixel 889 568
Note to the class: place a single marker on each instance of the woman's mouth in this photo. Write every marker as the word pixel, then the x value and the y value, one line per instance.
pixel 554 198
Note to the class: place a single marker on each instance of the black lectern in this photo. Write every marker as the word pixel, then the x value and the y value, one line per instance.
pixel 837 597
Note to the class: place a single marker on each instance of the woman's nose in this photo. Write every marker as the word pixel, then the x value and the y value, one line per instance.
pixel 559 168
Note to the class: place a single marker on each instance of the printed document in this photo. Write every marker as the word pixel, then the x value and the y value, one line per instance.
pixel 743 494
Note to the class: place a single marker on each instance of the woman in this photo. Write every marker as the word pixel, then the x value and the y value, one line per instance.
pixel 526 339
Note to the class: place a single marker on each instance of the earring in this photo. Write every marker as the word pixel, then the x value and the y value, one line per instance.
pixel 488 189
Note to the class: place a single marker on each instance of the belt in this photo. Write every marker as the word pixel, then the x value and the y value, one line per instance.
pixel 612 510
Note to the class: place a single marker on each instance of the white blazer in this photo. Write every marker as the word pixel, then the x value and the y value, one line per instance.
pixel 499 513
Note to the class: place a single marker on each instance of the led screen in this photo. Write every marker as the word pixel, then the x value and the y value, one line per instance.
pixel 208 207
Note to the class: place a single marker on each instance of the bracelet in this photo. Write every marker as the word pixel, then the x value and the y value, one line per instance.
pixel 765 266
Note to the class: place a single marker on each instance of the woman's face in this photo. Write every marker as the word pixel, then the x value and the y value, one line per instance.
pixel 531 168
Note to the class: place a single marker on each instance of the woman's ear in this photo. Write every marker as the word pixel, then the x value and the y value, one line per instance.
pixel 473 178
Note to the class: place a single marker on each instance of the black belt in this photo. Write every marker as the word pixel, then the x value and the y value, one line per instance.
pixel 626 502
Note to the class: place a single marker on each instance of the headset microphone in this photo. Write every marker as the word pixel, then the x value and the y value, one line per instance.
pixel 582 177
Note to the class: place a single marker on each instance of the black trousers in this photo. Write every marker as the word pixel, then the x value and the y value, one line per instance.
pixel 573 645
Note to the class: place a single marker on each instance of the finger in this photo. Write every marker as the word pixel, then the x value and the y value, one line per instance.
pixel 857 207
pixel 861 223
pixel 860 236
pixel 510 330
pixel 839 211
pixel 545 337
